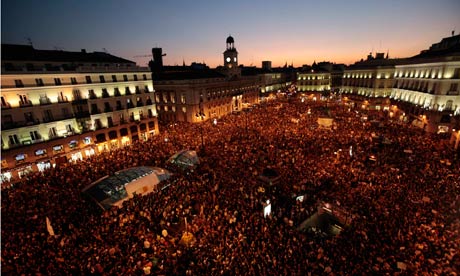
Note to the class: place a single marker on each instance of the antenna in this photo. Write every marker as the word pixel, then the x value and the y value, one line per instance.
pixel 29 41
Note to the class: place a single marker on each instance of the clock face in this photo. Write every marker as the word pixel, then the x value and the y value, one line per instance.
pixel 234 59
pixel 228 59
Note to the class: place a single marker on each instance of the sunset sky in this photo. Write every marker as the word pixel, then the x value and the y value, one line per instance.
pixel 281 31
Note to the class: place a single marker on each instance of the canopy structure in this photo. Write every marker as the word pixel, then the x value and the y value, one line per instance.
pixel 121 186
pixel 184 159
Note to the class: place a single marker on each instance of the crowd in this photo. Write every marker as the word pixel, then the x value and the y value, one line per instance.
pixel 404 200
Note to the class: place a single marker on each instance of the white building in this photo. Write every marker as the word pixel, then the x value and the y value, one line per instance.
pixel 59 106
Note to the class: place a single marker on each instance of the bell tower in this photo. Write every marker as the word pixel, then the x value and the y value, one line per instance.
pixel 231 58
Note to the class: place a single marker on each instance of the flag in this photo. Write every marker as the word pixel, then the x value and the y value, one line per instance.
pixel 49 227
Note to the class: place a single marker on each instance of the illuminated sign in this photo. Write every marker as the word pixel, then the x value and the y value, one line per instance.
pixel 20 157
pixel 40 152
pixel 58 148
pixel 73 144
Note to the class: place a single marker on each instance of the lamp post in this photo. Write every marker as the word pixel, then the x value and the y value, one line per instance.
pixel 201 115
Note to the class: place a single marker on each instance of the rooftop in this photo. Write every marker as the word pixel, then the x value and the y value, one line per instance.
pixel 13 52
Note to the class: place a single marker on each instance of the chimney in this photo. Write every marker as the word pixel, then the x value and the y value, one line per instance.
pixel 83 51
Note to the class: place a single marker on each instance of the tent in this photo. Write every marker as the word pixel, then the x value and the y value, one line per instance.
pixel 184 159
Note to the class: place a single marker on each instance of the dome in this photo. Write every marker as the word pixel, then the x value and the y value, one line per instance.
pixel 230 39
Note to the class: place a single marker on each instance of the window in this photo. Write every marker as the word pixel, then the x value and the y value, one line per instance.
pixel 102 79
pixel 456 73
pixel 29 116
pixel 94 109
pixel 453 87
pixel 110 122
pixel 125 77
pixel 107 107
pixel 39 82
pixel 18 83
pixel 114 78
pixel 76 94
pixel 57 81
pixel 91 94
pixel 119 107
pixel 88 79
pixel 147 89
pixel 34 135
pixel 73 80
pixel 116 92
pixel 23 101
pixel 433 89
pixel 144 76
pixel 65 112
pixel 127 91
pixel 135 77
pixel 48 115
pixel 105 94
pixel 13 139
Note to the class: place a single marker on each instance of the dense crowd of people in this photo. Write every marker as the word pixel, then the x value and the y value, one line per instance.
pixel 401 185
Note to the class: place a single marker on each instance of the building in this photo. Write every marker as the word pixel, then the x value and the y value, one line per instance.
pixel 427 86
pixel 314 81
pixel 424 87
pixel 323 77
pixel 266 65
pixel 197 93
pixel 59 106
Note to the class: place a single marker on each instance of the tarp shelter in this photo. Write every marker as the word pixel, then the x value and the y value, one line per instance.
pixel 184 159
pixel 112 190
pixel 325 122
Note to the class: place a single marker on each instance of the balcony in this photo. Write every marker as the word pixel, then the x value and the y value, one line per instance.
pixel 453 93
pixel 13 125
pixel 82 114
pixel 79 101
pixel 95 111
pixel 7 105
pixel 63 100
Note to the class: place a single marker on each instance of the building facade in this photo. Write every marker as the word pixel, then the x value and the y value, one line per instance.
pixel 193 94
pixel 425 87
pixel 60 106
pixel 314 81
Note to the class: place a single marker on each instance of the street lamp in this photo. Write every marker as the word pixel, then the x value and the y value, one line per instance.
pixel 201 115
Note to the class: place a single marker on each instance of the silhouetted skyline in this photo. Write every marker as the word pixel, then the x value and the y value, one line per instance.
pixel 297 32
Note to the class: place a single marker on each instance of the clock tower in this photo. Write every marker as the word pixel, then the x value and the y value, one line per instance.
pixel 231 60
pixel 230 55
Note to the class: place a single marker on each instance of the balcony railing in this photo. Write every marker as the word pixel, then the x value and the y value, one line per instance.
pixel 13 125
pixel 95 111
pixel 25 103
pixel 7 105
pixel 83 114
